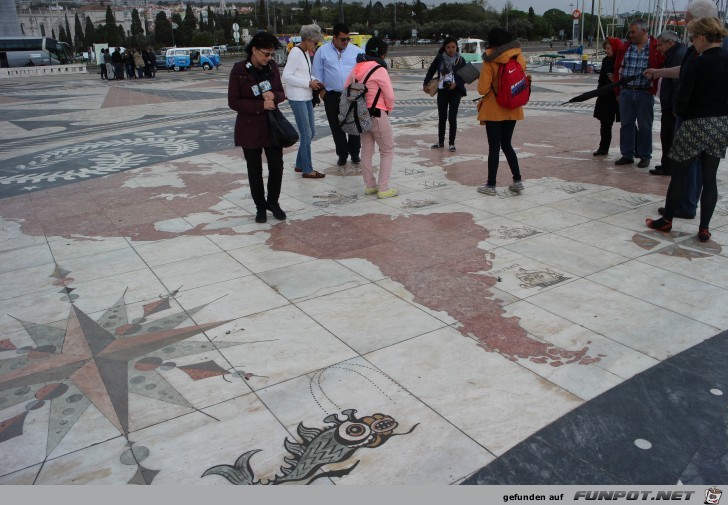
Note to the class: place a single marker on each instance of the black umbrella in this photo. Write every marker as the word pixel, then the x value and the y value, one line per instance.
pixel 601 90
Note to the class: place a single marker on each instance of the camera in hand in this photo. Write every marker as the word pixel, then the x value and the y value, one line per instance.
pixel 446 83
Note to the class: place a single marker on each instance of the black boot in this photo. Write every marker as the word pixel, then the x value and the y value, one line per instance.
pixel 277 211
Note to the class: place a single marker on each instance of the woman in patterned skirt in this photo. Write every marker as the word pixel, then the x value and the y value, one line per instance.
pixel 702 102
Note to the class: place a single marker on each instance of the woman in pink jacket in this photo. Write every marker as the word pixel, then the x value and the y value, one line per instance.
pixel 380 84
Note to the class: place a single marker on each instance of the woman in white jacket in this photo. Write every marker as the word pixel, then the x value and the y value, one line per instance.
pixel 300 86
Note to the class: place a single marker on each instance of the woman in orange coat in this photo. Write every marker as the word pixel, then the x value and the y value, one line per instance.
pixel 499 121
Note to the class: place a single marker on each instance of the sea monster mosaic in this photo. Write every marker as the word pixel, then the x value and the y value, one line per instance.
pixel 319 447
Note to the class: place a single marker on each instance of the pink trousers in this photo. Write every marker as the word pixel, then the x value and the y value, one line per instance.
pixel 381 134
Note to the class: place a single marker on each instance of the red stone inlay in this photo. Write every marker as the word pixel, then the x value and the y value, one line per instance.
pixel 128 329
pixel 7 345
pixel 436 258
pixel 148 364
pixel 156 306
pixel 203 370
pixel 50 391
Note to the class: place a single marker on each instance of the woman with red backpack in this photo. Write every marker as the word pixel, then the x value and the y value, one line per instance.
pixel 500 113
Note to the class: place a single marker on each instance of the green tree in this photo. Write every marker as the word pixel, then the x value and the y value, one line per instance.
pixel 306 14
pixel 78 38
pixel 176 20
pixel 211 21
pixel 202 39
pixel 110 32
pixel 110 18
pixel 61 33
pixel 189 25
pixel 558 20
pixel 69 38
pixel 262 18
pixel 89 34
pixel 163 29
pixel 136 23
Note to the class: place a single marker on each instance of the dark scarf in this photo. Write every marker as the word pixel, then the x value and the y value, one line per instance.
pixel 361 58
pixel 447 63
pixel 261 74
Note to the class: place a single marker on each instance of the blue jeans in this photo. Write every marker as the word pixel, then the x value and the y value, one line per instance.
pixel 693 184
pixel 303 112
pixel 636 106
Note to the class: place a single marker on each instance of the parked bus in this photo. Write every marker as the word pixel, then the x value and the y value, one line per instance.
pixel 471 50
pixel 182 58
pixel 33 51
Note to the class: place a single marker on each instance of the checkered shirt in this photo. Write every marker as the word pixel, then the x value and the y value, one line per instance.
pixel 635 63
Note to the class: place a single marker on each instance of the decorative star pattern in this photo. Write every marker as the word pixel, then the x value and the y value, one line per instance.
pixel 98 363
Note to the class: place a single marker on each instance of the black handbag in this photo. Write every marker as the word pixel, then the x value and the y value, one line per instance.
pixel 468 73
pixel 282 132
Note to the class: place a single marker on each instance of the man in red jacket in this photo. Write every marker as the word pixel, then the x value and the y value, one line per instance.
pixel 637 98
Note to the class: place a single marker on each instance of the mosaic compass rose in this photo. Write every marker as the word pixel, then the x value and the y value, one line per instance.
pixel 98 362
pixel 654 241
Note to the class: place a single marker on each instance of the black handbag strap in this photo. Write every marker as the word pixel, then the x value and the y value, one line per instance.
pixel 379 91
pixel 305 57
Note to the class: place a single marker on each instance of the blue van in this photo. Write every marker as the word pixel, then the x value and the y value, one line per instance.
pixel 182 58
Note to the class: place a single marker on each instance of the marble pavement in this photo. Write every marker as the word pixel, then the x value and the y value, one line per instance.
pixel 152 333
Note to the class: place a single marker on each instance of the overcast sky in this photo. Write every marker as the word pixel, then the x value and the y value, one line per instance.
pixel 541 6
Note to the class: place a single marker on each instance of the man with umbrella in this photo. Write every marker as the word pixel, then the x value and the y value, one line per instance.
pixel 637 99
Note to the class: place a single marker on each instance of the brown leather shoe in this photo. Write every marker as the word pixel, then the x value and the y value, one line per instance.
pixel 313 174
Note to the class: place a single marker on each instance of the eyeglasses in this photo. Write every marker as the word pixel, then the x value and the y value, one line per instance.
pixel 344 39
pixel 266 54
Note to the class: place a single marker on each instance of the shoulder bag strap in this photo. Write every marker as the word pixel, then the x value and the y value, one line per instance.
pixel 305 57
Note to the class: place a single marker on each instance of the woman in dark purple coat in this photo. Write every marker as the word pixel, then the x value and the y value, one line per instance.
pixel 254 88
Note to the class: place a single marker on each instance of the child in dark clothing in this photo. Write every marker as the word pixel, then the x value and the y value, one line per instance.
pixel 606 110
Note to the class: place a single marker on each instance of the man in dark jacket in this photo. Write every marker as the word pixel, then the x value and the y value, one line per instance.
pixel 669 45
pixel 118 62
pixel 637 98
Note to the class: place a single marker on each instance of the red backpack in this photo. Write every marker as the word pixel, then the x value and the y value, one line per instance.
pixel 514 86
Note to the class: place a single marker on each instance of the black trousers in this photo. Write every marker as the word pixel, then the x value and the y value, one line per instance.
pixel 500 134
pixel 605 133
pixel 344 146
pixel 667 135
pixel 448 102
pixel 254 160
pixel 679 180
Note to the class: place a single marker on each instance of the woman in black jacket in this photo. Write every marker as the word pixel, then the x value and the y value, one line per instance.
pixel 450 89
pixel 702 103
pixel 606 109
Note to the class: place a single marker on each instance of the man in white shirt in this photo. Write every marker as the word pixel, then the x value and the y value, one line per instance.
pixel 332 64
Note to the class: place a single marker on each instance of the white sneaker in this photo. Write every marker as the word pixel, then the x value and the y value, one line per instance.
pixel 487 190
pixel 516 187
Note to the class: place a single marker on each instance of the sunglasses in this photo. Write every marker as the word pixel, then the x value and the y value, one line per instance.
pixel 266 54
pixel 345 39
